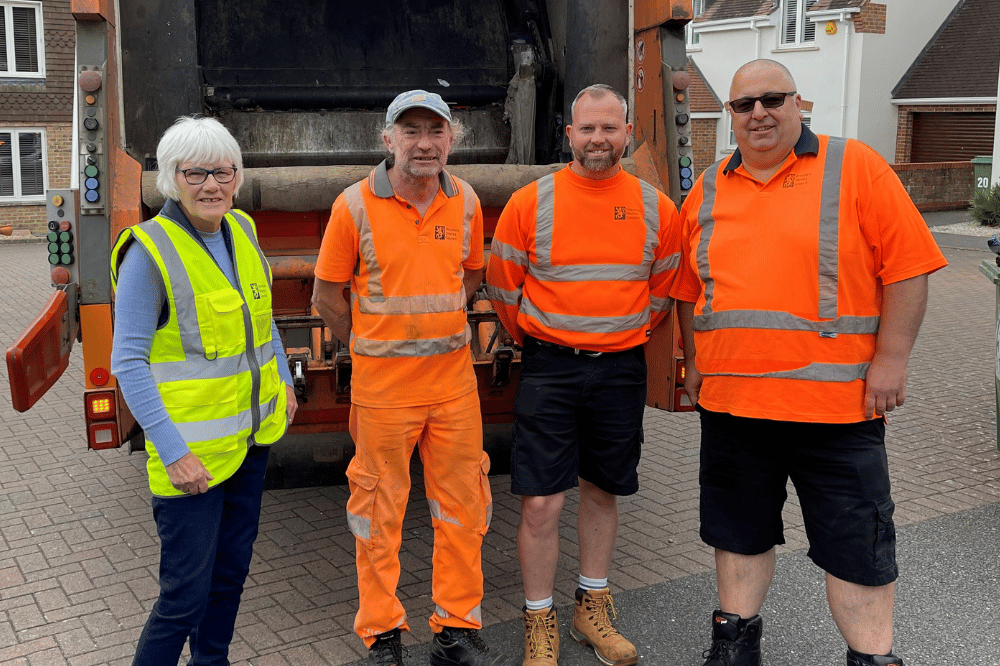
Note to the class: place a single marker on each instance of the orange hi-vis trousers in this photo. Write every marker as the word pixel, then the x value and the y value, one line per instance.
pixel 450 436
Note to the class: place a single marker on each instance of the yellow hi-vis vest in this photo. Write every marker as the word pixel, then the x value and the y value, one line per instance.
pixel 212 361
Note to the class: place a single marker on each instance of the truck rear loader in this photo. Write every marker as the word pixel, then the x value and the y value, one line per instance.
pixel 303 86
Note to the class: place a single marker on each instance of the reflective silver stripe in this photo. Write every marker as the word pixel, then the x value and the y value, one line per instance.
pixel 489 514
pixel 667 263
pixel 651 216
pixel 583 324
pixel 475 615
pixel 366 241
pixel 504 296
pixel 784 321
pixel 436 512
pixel 706 220
pixel 509 253
pixel 245 224
pixel 592 273
pixel 360 527
pixel 817 372
pixel 544 220
pixel 657 304
pixel 829 222
pixel 198 367
pixel 184 305
pixel 407 305
pixel 203 431
pixel 469 199
pixel 421 347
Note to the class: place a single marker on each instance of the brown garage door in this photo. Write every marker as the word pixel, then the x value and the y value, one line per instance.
pixel 951 137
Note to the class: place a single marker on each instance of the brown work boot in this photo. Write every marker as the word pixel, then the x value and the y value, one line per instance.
pixel 592 627
pixel 541 638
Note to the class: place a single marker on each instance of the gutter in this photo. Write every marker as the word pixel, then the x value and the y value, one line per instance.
pixel 935 101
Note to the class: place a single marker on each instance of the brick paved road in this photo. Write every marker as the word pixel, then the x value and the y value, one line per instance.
pixel 78 552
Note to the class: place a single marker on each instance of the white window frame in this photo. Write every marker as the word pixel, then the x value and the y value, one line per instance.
pixel 8 37
pixel 16 164
pixel 692 39
pixel 799 8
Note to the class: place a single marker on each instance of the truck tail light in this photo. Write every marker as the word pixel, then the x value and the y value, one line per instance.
pixel 100 410
pixel 100 406
pixel 679 373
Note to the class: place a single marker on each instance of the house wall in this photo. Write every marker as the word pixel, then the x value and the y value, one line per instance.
pixel 884 59
pixel 937 185
pixel 876 62
pixel 45 103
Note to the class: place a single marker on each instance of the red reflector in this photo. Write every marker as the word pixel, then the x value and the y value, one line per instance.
pixel 102 435
pixel 99 376
pixel 100 405
pixel 682 403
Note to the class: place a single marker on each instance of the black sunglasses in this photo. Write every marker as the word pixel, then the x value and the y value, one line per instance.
pixel 769 100
pixel 197 175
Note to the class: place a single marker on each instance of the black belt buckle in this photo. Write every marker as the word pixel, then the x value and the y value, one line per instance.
pixel 585 352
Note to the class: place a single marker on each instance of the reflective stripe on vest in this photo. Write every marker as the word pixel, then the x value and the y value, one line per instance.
pixel 377 303
pixel 829 324
pixel 543 270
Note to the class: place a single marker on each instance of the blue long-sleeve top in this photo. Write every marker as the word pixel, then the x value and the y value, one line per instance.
pixel 141 308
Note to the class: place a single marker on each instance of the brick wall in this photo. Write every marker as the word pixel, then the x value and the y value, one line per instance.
pixel 904 123
pixel 937 185
pixel 58 155
pixel 870 19
pixel 703 138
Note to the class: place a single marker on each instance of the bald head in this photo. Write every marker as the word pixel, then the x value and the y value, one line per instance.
pixel 757 69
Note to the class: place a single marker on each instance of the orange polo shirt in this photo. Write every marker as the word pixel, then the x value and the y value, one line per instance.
pixel 416 256
pixel 756 248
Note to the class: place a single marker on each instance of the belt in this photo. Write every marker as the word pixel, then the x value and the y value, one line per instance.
pixel 563 349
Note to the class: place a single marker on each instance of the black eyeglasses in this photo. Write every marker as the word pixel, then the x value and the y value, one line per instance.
pixel 769 100
pixel 198 176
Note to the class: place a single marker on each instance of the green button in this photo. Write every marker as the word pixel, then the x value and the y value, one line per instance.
pixel 65 236
pixel 54 258
pixel 53 247
pixel 66 259
pixel 685 161
pixel 91 171
pixel 66 248
pixel 52 236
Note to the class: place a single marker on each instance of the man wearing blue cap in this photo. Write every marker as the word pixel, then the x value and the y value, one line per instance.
pixel 408 241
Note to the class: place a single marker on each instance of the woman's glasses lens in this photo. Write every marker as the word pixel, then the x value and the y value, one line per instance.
pixel 199 176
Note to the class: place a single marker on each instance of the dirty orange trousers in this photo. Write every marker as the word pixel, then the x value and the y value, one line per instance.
pixel 450 437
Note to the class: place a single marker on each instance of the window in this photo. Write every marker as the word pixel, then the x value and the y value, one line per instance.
pixel 22 48
pixel 22 165
pixel 697 7
pixel 796 29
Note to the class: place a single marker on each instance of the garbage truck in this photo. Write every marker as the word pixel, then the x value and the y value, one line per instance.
pixel 304 86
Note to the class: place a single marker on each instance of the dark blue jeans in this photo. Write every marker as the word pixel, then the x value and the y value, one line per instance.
pixel 206 542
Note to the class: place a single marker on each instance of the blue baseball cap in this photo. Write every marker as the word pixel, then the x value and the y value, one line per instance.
pixel 417 99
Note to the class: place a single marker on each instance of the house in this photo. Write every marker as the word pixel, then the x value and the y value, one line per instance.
pixel 846 57
pixel 36 107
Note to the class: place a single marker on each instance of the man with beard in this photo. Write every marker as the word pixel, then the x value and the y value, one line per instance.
pixel 581 264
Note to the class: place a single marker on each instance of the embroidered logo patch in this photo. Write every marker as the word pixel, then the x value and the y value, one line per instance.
pixel 619 212
pixel 255 291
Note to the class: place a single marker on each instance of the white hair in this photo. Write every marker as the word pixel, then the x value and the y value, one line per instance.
pixel 199 140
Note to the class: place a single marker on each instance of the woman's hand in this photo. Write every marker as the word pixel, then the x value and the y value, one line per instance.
pixel 292 405
pixel 188 475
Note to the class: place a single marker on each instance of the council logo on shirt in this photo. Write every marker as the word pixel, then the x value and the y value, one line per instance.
pixel 442 232
pixel 619 212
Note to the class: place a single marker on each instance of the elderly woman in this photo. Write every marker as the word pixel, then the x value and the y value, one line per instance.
pixel 200 364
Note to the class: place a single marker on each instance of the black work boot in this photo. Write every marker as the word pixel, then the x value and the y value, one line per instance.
pixel 735 641
pixel 856 659
pixel 458 646
pixel 387 650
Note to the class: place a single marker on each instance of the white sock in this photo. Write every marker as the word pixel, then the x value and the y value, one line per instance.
pixel 538 605
pixel 593 583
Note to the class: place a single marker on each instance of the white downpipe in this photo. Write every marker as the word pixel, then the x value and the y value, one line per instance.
pixel 847 61
pixel 995 175
pixel 756 30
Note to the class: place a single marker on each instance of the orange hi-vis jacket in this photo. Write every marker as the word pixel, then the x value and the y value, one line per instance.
pixel 787 278
pixel 409 330
pixel 584 263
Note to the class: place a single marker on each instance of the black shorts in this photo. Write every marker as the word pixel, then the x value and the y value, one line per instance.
pixel 577 416
pixel 840 473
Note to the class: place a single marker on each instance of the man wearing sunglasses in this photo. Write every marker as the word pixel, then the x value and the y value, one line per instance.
pixel 802 285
